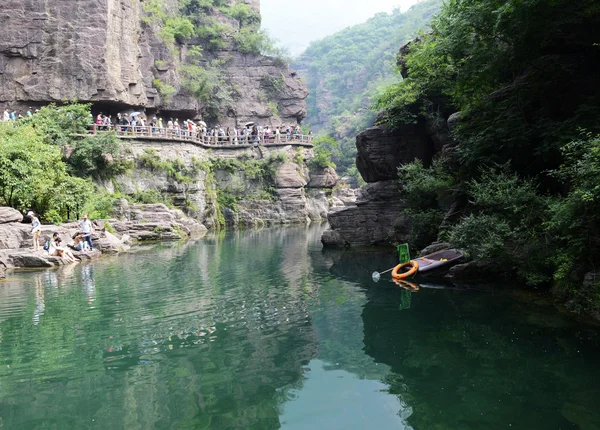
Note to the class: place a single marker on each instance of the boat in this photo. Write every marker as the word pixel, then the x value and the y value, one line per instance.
pixel 437 261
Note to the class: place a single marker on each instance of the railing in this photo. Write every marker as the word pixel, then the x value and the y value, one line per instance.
pixel 149 132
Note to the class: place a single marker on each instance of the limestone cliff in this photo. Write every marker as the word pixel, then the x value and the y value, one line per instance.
pixel 377 217
pixel 235 186
pixel 119 55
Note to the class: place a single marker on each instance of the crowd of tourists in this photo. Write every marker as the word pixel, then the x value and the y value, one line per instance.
pixel 14 115
pixel 82 240
pixel 137 124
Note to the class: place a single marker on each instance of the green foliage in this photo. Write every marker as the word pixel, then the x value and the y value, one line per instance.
pixel 33 175
pixel 491 60
pixel 164 89
pixel 150 197
pixel 243 13
pixel 95 155
pixel 424 225
pixel 423 187
pixel 57 124
pixel 173 26
pixel 344 73
pixel 101 205
pixel 207 83
pixel 325 148
pixel 252 169
pixel 227 199
pixel 273 109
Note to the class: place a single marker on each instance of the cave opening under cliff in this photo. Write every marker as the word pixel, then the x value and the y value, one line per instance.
pixel 112 108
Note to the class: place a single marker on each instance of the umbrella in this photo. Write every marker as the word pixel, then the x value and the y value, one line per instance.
pixel 202 123
pixel 132 114
pixel 248 124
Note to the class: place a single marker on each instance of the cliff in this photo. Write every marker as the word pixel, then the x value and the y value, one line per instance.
pixel 152 56
pixel 235 186
pixel 377 217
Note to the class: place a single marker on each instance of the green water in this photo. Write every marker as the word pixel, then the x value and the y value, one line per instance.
pixel 265 330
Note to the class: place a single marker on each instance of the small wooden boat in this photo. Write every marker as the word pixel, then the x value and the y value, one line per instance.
pixel 437 261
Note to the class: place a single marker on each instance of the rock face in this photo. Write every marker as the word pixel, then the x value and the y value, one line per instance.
pixel 285 191
pixel 112 52
pixel 139 222
pixel 377 217
pixel 381 151
pixel 10 215
pixel 372 221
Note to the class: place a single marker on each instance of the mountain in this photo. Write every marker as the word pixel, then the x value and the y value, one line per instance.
pixel 344 71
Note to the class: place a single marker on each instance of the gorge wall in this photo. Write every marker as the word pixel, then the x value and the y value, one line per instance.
pixel 121 54
pixel 377 217
pixel 241 186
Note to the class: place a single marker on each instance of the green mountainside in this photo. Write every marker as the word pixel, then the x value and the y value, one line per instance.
pixel 344 71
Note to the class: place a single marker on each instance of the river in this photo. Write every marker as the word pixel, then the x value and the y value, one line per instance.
pixel 265 330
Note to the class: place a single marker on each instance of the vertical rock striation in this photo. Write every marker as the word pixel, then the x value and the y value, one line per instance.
pixel 108 53
pixel 377 216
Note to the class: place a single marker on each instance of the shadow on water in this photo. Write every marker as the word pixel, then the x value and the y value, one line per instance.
pixel 264 330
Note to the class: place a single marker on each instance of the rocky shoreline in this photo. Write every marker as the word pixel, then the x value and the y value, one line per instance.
pixel 137 223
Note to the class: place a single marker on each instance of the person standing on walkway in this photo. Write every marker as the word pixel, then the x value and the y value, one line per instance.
pixel 86 229
pixel 36 230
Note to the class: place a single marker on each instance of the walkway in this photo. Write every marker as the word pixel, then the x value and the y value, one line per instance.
pixel 164 134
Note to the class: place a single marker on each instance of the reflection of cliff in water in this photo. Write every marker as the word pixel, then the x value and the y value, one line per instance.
pixel 471 360
pixel 194 334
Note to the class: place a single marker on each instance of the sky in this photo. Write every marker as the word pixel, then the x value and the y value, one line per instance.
pixel 295 23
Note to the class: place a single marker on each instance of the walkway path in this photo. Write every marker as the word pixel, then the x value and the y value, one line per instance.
pixel 153 133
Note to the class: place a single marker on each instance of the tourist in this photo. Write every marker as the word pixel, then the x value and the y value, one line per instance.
pixel 86 230
pixel 160 125
pixel 267 134
pixel 6 116
pixel 255 137
pixel 176 126
pixel 80 244
pixel 56 249
pixel 288 133
pixel 29 112
pixel 133 123
pixel 277 135
pixel 36 230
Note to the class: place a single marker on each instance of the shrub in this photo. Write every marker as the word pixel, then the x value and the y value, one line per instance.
pixel 421 186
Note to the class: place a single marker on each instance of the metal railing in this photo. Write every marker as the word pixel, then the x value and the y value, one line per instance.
pixel 197 136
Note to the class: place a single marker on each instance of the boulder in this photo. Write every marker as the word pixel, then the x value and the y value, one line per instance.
pixel 372 221
pixel 290 175
pixel 381 151
pixel 323 177
pixel 453 121
pixel 478 270
pixel 434 247
pixel 9 215
pixel 36 260
pixel 87 255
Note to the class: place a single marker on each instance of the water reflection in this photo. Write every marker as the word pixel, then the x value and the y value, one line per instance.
pixel 264 329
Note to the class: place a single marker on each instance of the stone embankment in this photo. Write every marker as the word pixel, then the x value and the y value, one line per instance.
pixel 136 223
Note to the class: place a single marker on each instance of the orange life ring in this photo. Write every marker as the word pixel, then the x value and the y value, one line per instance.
pixel 404 275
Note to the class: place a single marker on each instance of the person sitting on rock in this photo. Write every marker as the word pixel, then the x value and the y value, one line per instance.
pixel 57 250
pixel 79 243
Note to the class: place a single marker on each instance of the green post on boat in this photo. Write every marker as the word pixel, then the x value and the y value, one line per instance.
pixel 403 253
